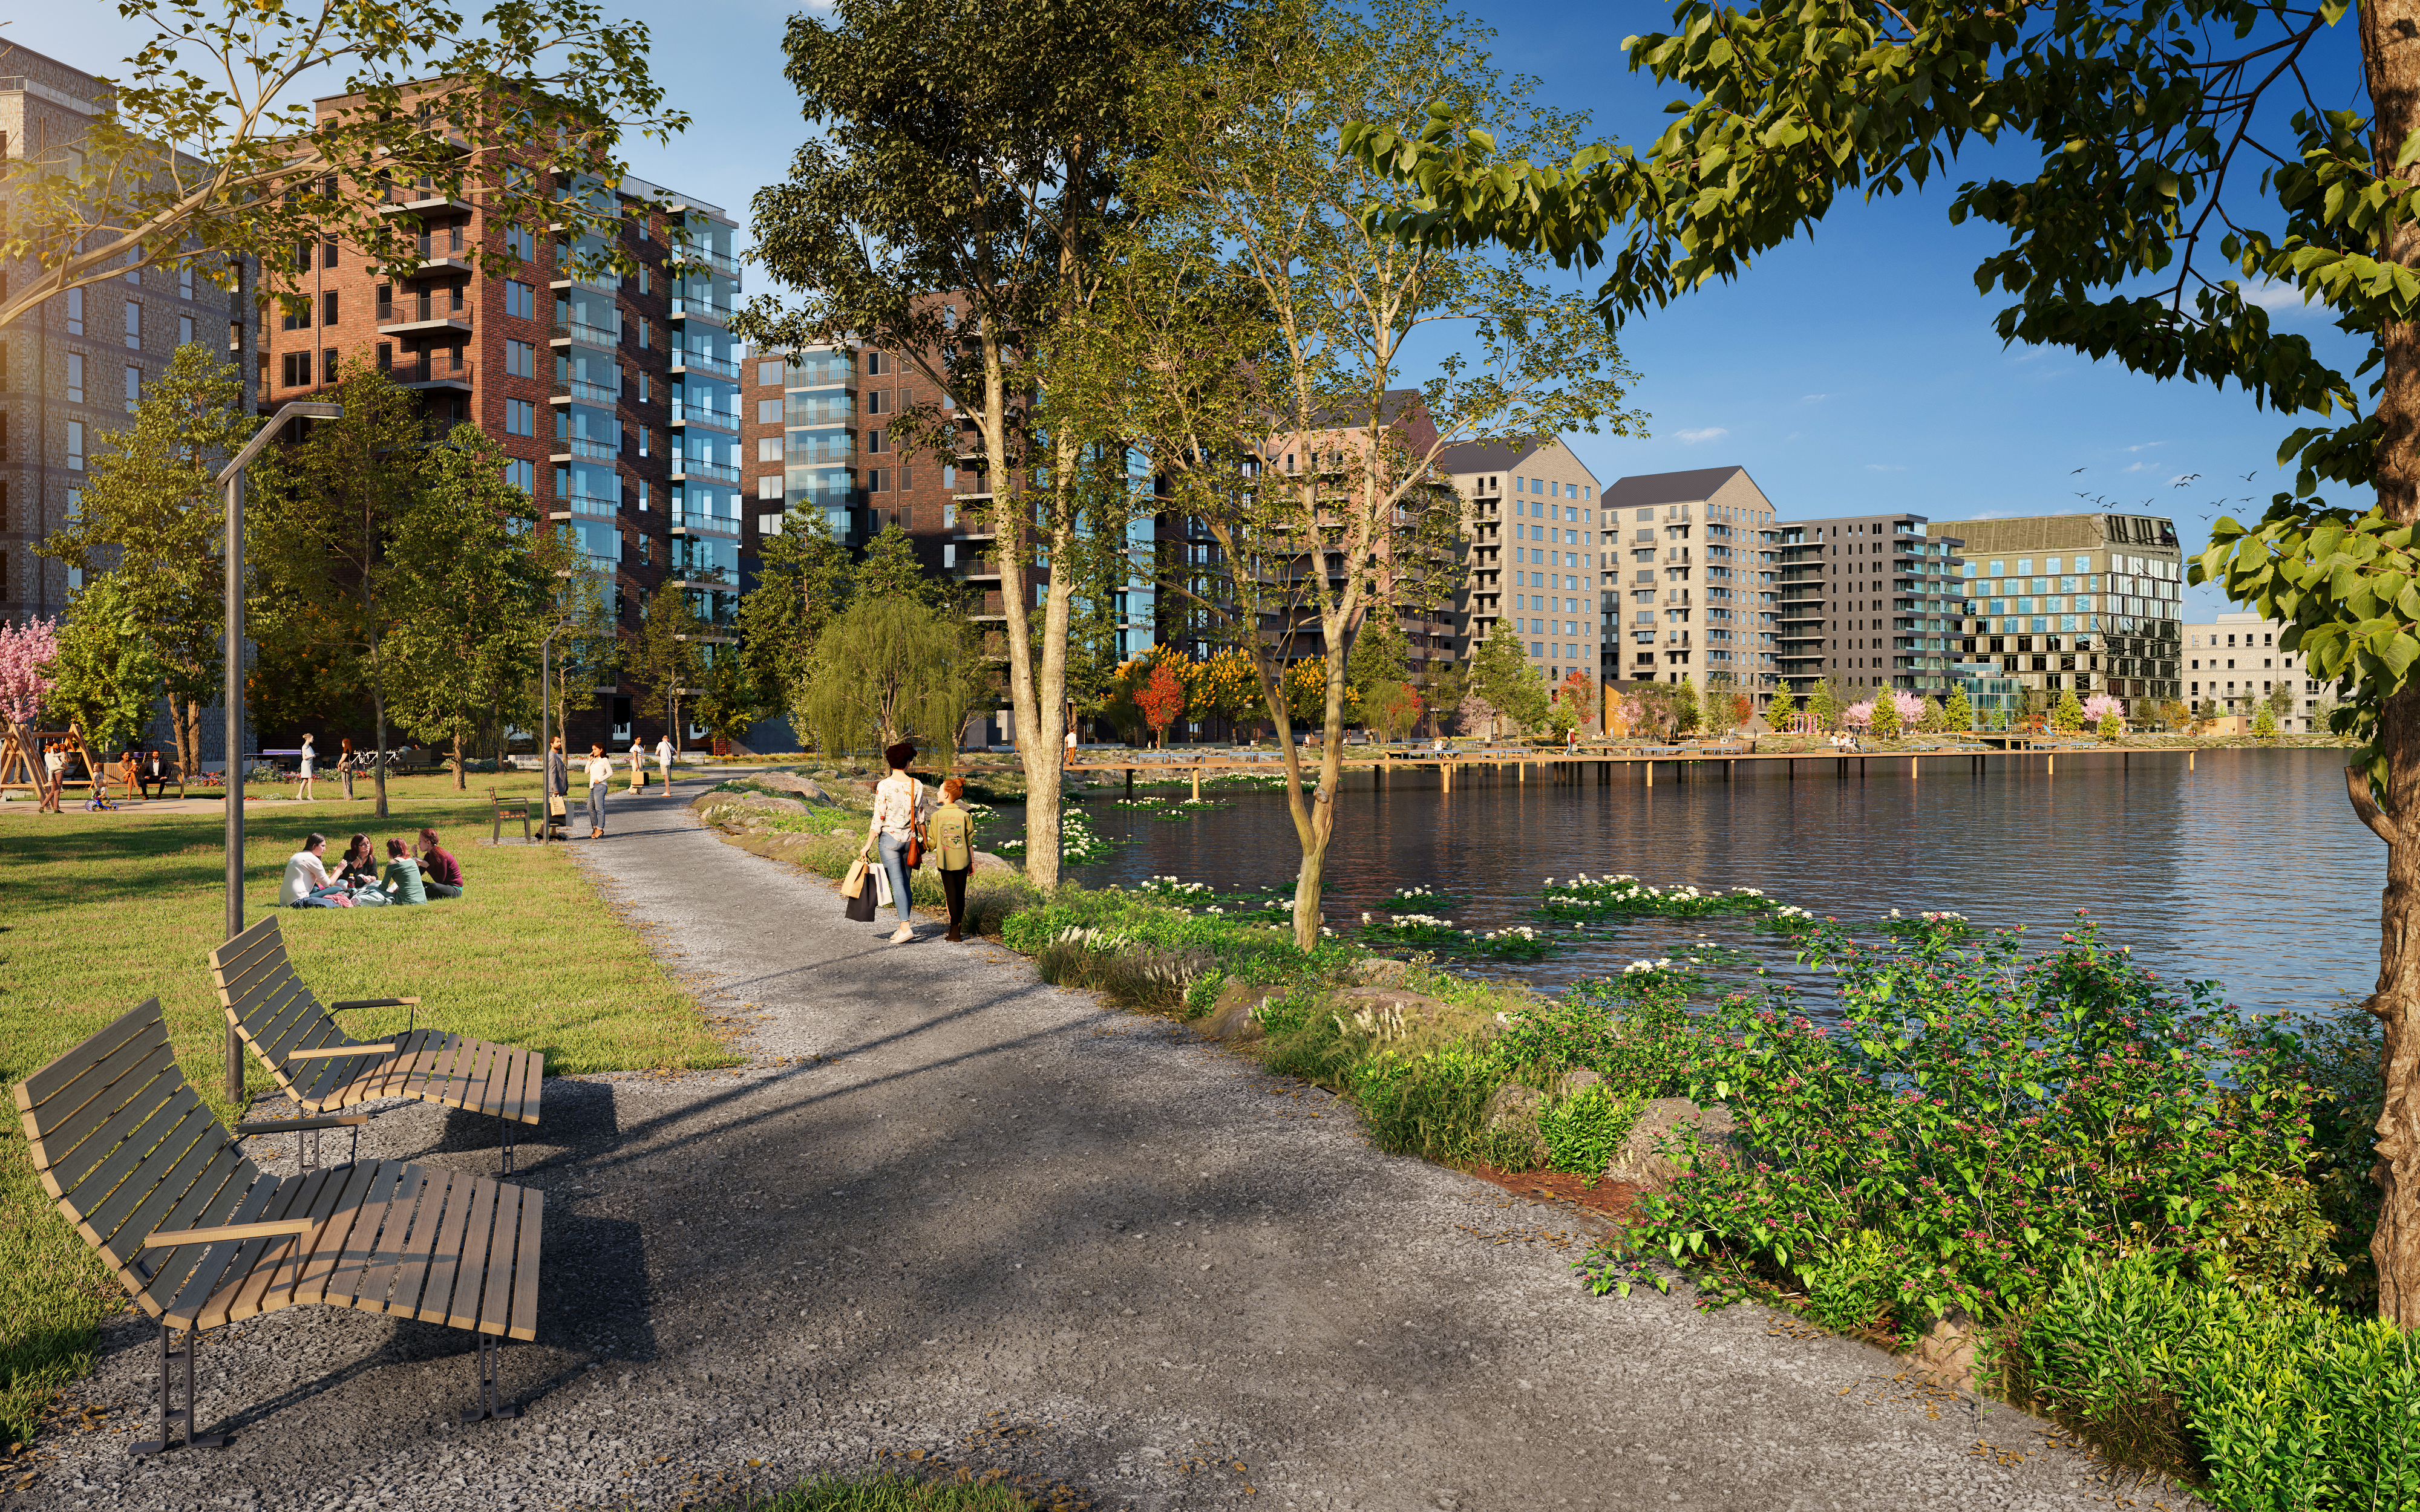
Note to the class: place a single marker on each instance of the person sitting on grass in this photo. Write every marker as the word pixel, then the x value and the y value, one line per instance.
pixel 306 883
pixel 401 882
pixel 359 868
pixel 441 875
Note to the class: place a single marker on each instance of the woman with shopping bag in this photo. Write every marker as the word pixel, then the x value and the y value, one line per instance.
pixel 895 834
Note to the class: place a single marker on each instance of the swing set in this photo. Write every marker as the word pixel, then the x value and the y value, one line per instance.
pixel 21 770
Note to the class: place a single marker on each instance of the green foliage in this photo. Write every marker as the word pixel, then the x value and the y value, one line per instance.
pixel 1583 1131
pixel 1782 710
pixel 1826 704
pixel 803 577
pixel 2066 714
pixel 892 1493
pixel 1687 715
pixel 1959 713
pixel 1933 720
pixel 1432 1105
pixel 1379 659
pixel 665 658
pixel 2264 724
pixel 2112 727
pixel 1500 673
pixel 888 667
pixel 1885 722
pixel 107 678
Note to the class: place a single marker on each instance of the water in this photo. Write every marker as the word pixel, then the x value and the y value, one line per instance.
pixel 2251 869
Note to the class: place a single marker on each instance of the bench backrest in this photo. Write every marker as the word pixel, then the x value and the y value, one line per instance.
pixel 274 1012
pixel 125 1147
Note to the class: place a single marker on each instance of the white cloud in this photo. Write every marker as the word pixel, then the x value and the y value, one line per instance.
pixel 1884 466
pixel 2270 295
pixel 2136 467
pixel 2144 446
pixel 1691 438
pixel 1813 398
pixel 2031 354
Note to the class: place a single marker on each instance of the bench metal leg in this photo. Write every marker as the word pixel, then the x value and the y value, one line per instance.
pixel 170 1415
pixel 505 1138
pixel 492 1388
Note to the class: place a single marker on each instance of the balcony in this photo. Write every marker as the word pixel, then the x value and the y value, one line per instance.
pixel 980 569
pixel 566 390
pixel 685 309
pixel 567 447
pixel 717 579
pixel 424 315
pixel 721 262
pixel 426 373
pixel 685 360
pixel 422 203
pixel 722 420
pixel 567 332
pixel 687 468
pixel 687 521
pixel 585 506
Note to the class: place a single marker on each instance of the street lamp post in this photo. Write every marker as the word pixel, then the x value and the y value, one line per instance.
pixel 231 478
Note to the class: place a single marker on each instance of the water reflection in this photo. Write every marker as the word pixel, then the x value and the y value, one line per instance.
pixel 2250 869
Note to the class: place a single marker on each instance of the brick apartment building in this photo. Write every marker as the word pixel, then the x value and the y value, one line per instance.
pixel 615 398
pixel 1691 580
pixel 1870 601
pixel 71 370
pixel 1511 492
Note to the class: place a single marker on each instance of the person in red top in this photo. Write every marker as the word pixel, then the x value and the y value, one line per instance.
pixel 441 875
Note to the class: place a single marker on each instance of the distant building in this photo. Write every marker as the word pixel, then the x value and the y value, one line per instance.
pixel 1690 588
pixel 71 370
pixel 2087 603
pixel 1532 521
pixel 2240 677
pixel 1869 601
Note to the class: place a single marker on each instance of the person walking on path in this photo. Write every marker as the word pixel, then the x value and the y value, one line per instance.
pixel 897 801
pixel 54 768
pixel 558 785
pixel 600 776
pixel 953 830
pixel 310 761
pixel 664 759
pixel 638 765
pixel 349 762
pixel 441 875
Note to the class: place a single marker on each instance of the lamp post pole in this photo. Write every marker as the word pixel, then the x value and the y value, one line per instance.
pixel 231 692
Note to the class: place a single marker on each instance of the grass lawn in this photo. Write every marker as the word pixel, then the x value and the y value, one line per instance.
pixel 104 910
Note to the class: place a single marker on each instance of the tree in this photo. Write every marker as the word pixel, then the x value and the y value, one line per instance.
pixel 1825 703
pixel 105 678
pixel 26 650
pixel 1932 718
pixel 2264 724
pixel 803 580
pixel 665 657
pixel 1503 678
pixel 957 239
pixel 1221 685
pixel 1882 717
pixel 1162 699
pixel 207 151
pixel 1718 717
pixel 1687 714
pixel 152 516
pixel 887 669
pixel 2174 715
pixel 1380 657
pixel 2167 153
pixel 1448 681
pixel 1306 690
pixel 328 532
pixel 1576 693
pixel 2066 714
pixel 2280 700
pixel 1959 713
pixel 1782 710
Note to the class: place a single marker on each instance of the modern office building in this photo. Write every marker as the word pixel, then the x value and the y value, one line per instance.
pixel 2087 603
pixel 1690 586
pixel 1868 601
pixel 1532 524
pixel 71 370
pixel 616 399
pixel 2234 660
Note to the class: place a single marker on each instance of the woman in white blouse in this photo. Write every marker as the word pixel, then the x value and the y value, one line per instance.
pixel 600 776
pixel 898 817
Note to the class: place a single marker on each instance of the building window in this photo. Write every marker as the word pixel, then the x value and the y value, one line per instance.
pixel 184 331
pixel 519 241
pixel 328 308
pixel 327 365
pixel 520 418
pixel 770 374
pixel 768 449
pixel 298 321
pixel 520 358
pixel 874 364
pixel 133 324
pixel 768 486
pixel 643 495
pixel 519 299
pixel 75 446
pixel 134 388
pixel 75 378
pixel 768 411
pixel 522 474
pixel 328 251
pixel 75 312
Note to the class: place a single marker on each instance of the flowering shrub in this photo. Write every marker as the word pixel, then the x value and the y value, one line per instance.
pixel 1077 841
pixel 1624 896
pixel 1520 942
pixel 24 650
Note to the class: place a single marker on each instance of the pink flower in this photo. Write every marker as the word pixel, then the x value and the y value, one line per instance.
pixel 22 651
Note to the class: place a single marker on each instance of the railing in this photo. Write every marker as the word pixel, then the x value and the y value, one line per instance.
pixel 582 446
pixel 581 330
pixel 716 419
pixel 452 242
pixel 721 262
pixel 839 452
pixel 684 518
pixel 406 312
pixel 426 373
pixel 588 504
pixel 582 389
pixel 684 309
pixel 691 467
pixel 684 360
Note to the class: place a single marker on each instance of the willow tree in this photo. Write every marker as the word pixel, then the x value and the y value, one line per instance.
pixel 1267 340
pixel 888 669
pixel 2180 150
pixel 947 211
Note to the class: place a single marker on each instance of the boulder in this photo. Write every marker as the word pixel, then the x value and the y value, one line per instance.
pixel 1380 971
pixel 986 861
pixel 1659 1146
pixel 1513 1110
pixel 1576 1081
pixel 1231 1018
pixel 791 783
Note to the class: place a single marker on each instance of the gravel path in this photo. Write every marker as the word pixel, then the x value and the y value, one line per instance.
pixel 950 1211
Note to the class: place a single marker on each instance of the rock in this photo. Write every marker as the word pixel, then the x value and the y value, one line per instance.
pixel 791 783
pixel 1231 1018
pixel 986 861
pixel 843 832
pixel 1380 971
pixel 1668 1123
pixel 1513 1110
pixel 1576 1081
pixel 1947 1352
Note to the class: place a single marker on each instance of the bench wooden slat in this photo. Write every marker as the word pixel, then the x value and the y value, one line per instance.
pixel 520 1320
pixel 102 1156
pixel 249 1296
pixel 120 1182
pixel 486 1091
pixel 502 1250
pixel 418 1252
pixel 341 1208
pixel 40 1086
pixel 368 1283
pixel 439 1076
pixel 525 1096
pixel 445 1260
pixel 187 1279
pixel 461 1301
pixel 379 1208
pixel 74 1110
pixel 176 1187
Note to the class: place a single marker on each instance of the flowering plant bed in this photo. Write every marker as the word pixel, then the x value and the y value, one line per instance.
pixel 1624 896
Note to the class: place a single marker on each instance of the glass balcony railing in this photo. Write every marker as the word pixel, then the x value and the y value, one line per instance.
pixel 587 505
pixel 428 310
pixel 697 466
pixel 582 446
pixel 721 262
pixel 684 414
pixel 686 360
pixel 581 330
pixel 582 389
pixel 688 309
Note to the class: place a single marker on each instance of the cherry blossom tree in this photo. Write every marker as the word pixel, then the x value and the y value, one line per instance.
pixel 25 649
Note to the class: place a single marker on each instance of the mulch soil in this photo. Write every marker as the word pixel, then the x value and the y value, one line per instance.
pixel 1606 1205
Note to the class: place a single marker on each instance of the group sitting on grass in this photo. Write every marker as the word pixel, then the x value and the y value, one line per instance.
pixel 358 882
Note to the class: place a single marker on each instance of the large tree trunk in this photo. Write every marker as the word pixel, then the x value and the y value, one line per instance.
pixel 1035 706
pixel 2390 44
pixel 460 782
pixel 378 702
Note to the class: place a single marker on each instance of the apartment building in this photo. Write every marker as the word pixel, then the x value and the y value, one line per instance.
pixel 71 370
pixel 2234 660
pixel 2081 603
pixel 1533 528
pixel 1869 601
pixel 1689 587
pixel 615 399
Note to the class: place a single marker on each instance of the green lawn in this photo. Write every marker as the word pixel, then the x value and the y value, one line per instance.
pixel 104 910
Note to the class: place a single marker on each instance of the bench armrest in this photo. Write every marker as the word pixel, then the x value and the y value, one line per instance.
pixel 411 1020
pixel 265 1126
pixel 168 1238
pixel 335 1050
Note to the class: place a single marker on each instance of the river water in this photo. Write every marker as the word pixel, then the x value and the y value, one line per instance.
pixel 2250 869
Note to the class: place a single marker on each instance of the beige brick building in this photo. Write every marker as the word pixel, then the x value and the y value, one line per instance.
pixel 2233 661
pixel 1532 521
pixel 1690 580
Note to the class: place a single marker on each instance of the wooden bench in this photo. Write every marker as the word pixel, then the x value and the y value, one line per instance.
pixel 323 1069
pixel 201 1237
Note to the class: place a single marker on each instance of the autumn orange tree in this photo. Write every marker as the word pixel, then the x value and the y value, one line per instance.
pixel 1162 699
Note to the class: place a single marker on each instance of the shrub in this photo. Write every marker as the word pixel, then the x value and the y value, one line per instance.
pixel 1583 1131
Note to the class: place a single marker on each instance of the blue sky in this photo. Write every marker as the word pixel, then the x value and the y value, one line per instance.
pixel 1853 371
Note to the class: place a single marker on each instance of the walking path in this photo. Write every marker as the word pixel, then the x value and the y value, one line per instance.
pixel 950 1211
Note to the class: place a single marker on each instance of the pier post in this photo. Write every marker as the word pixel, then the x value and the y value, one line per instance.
pixel 1129 781
pixel 2189 761
pixel 2050 765
pixel 1651 771
pixel 1911 768
pixel 1197 784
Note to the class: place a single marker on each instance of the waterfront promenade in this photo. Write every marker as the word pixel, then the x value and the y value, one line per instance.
pixel 948 1210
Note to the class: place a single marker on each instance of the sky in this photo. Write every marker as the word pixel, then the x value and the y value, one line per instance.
pixel 1855 371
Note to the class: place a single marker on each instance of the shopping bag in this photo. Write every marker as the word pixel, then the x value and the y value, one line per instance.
pixel 859 907
pixel 882 886
pixel 854 883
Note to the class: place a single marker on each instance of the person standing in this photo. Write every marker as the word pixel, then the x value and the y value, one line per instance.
pixel 310 760
pixel 54 767
pixel 441 875
pixel 349 762
pixel 952 832
pixel 558 786
pixel 664 759
pixel 638 765
pixel 600 776
pixel 897 801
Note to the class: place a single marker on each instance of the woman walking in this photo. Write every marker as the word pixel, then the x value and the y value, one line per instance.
pixel 310 760
pixel 954 851
pixel 558 787
pixel 600 776
pixel 897 804
pixel 349 760
pixel 638 765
